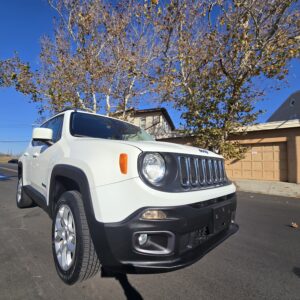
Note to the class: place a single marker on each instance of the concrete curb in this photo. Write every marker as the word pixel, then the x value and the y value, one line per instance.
pixel 269 187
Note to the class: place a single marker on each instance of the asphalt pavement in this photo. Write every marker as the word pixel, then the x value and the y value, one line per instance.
pixel 261 261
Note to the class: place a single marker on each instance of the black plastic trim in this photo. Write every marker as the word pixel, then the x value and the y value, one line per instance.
pixel 185 260
pixel 166 251
pixel 96 228
pixel 182 221
pixel 37 198
pixel 20 169
pixel 75 174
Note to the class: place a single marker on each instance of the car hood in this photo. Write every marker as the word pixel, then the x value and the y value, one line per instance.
pixel 155 146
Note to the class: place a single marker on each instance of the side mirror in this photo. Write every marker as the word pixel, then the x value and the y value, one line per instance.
pixel 42 135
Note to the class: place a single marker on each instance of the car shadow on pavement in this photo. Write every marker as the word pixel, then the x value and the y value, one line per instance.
pixel 296 271
pixel 129 291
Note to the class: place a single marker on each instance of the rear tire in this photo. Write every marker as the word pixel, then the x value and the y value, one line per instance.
pixel 22 200
pixel 72 246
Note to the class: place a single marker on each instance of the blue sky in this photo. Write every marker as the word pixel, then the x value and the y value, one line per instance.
pixel 22 23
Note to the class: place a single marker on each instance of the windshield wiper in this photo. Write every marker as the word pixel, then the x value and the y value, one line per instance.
pixel 80 135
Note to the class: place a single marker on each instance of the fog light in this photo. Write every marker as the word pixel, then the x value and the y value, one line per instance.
pixel 154 215
pixel 142 239
pixel 154 242
pixel 233 217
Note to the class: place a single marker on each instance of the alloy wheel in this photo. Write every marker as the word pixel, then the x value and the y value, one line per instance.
pixel 19 190
pixel 65 237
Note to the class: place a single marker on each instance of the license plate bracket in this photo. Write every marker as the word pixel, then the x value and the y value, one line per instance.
pixel 222 217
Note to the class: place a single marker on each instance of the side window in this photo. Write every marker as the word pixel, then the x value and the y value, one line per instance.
pixel 56 125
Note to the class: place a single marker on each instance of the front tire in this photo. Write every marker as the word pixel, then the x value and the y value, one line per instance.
pixel 72 247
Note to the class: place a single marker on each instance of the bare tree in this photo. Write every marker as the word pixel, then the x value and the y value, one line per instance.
pixel 215 53
pixel 133 52
pixel 100 56
pixel 204 56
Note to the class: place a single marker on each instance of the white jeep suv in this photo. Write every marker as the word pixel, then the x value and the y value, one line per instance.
pixel 120 199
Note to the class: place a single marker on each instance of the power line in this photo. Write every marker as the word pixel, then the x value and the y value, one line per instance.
pixel 14 141
pixel 18 126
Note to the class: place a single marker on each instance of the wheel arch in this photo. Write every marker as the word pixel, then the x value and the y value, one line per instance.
pixel 78 176
pixel 20 169
pixel 67 177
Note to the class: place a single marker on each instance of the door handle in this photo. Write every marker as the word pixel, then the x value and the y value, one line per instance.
pixel 36 154
pixel 26 154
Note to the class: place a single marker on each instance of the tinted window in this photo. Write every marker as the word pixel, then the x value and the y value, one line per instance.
pixel 56 125
pixel 106 128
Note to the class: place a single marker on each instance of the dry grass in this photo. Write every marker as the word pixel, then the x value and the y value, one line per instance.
pixel 5 159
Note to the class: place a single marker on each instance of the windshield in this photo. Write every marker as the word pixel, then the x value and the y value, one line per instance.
pixel 87 125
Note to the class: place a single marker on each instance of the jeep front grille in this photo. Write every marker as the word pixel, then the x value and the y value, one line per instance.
pixel 197 172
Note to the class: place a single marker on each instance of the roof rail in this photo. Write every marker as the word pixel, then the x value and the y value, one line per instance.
pixel 67 108
pixel 75 109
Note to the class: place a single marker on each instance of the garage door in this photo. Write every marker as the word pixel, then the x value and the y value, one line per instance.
pixel 262 161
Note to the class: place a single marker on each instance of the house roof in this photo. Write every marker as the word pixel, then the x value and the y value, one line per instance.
pixel 272 125
pixel 150 110
pixel 288 110
pixel 259 127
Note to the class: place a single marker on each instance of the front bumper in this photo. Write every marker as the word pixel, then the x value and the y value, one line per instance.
pixel 114 202
pixel 192 231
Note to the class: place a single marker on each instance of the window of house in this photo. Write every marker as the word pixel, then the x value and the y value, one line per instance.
pixel 292 102
pixel 143 122
pixel 165 125
pixel 156 120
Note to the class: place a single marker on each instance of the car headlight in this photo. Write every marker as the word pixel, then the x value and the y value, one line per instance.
pixel 153 167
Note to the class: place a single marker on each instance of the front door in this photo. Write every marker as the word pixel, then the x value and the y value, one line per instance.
pixel 43 154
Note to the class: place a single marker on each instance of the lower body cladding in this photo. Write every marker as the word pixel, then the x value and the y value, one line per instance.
pixel 187 233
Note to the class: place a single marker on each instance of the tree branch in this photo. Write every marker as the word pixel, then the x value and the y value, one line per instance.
pixel 94 103
pixel 82 103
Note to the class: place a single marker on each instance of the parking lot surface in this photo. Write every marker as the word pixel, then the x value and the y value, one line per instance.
pixel 261 261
